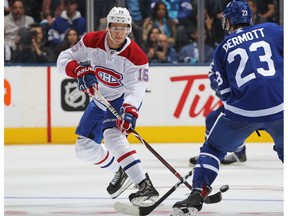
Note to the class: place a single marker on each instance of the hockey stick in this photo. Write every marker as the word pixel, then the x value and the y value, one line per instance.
pixel 103 101
pixel 145 210
pixel 215 198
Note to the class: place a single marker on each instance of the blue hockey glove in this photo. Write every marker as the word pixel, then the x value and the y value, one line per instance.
pixel 213 83
pixel 86 79
pixel 217 92
pixel 129 115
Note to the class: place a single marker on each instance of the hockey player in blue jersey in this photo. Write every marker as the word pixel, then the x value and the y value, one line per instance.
pixel 249 65
pixel 239 156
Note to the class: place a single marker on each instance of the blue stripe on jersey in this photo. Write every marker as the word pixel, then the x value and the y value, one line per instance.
pixel 255 113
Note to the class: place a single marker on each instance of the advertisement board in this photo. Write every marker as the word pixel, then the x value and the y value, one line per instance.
pixel 43 106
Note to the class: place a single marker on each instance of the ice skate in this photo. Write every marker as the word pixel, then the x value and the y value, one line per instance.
pixel 235 157
pixel 119 183
pixel 146 194
pixel 193 203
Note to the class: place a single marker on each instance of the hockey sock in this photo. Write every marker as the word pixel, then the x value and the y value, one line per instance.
pixel 128 158
pixel 86 149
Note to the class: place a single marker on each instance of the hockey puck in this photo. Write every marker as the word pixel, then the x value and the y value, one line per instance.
pixel 224 188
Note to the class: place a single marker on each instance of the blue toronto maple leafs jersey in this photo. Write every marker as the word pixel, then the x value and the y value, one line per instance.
pixel 249 70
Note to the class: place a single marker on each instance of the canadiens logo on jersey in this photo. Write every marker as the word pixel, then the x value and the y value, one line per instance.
pixel 109 77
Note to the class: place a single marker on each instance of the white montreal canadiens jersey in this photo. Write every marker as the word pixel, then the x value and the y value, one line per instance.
pixel 118 72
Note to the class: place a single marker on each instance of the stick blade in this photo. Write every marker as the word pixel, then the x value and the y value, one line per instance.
pixel 215 198
pixel 127 209
pixel 146 210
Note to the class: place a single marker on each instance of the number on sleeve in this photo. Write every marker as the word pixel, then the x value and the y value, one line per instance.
pixel 143 74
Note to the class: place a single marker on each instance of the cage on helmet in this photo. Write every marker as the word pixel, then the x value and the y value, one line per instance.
pixel 119 15
pixel 237 12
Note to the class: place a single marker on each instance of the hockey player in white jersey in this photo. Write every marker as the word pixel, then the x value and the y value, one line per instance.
pixel 115 65
pixel 249 69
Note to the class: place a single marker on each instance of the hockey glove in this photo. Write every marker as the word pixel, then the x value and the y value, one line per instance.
pixel 86 79
pixel 213 83
pixel 217 92
pixel 128 120
pixel 214 86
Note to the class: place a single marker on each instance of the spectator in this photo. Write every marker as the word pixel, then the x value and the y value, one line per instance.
pixel 70 39
pixel 160 19
pixel 184 16
pixel 178 10
pixel 255 16
pixel 53 7
pixel 46 24
pixel 100 15
pixel 151 43
pixel 7 8
pixel 33 8
pixel 190 52
pixel 70 18
pixel 184 21
pixel 212 19
pixel 139 11
pixel 164 53
pixel 15 20
pixel 266 10
pixel 212 24
pixel 31 48
pixel 172 7
pixel 56 7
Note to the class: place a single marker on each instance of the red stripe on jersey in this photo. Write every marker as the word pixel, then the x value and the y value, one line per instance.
pixel 126 155
pixel 105 158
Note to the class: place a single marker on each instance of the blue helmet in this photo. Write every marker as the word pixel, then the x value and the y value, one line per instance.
pixel 237 11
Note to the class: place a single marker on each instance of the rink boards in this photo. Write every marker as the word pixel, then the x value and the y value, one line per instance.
pixel 43 106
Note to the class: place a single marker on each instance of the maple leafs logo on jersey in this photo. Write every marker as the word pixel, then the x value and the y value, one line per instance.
pixel 109 77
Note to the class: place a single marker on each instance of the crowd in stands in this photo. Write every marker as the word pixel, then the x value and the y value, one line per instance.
pixel 36 31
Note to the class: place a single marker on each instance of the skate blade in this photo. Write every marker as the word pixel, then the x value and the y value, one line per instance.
pixel 144 201
pixel 184 212
pixel 122 189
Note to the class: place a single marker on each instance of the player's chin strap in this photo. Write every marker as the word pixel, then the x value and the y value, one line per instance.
pixel 99 98
pixel 109 33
